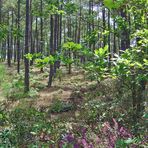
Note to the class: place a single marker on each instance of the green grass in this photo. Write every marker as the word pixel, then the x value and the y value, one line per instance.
pixel 2 73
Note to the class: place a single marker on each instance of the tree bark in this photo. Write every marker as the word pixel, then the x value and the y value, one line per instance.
pixel 51 73
pixel 8 44
pixel 26 61
pixel 18 37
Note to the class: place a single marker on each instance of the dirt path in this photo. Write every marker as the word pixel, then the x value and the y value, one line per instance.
pixel 47 95
pixel 63 90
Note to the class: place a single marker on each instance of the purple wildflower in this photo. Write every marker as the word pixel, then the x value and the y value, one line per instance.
pixel 76 145
pixel 84 143
pixel 124 133
pixel 90 145
pixel 61 143
pixel 69 137
pixel 84 130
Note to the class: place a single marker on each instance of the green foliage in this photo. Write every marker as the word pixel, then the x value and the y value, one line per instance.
pixel 101 52
pixel 29 127
pixel 41 60
pixel 27 121
pixel 60 106
pixel 3 31
pixel 29 56
pixel 4 138
pixel 137 141
pixel 67 60
pixel 114 4
pixel 72 46
pixel 17 33
pixel 59 74
pixel 92 37
pixel 3 118
pixel 68 49
pixel 93 110
pixel 122 24
pixel 53 9
pixel 2 74
pixel 97 66
pixel 123 143
pixel 70 8
pixel 44 61
pixel 14 89
pixel 133 61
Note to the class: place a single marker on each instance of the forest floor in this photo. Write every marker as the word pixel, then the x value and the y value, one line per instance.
pixel 72 89
pixel 61 89
pixel 73 99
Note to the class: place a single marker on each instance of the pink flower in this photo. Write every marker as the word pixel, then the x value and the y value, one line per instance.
pixel 106 127
pixel 115 124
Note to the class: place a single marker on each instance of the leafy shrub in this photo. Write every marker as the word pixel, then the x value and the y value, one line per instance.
pixel 60 106
pixel 97 65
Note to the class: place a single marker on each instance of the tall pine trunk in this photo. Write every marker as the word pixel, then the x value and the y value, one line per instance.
pixel 26 61
pixel 8 44
pixel 18 37
pixel 51 73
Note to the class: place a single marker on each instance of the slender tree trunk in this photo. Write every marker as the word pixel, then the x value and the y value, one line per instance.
pixel 69 36
pixel 64 30
pixel 125 41
pixel 11 41
pixel 89 23
pixel 15 48
pixel 109 47
pixel 31 33
pixel 79 27
pixel 41 28
pixel 36 34
pixel 104 25
pixel 60 29
pixel 98 26
pixel 1 51
pixel 0 11
pixel 114 37
pixel 55 38
pixel 51 73
pixel 8 45
pixel 60 36
pixel 26 61
pixel 18 37
pixel 93 23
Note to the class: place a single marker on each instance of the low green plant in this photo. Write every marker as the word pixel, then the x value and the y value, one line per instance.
pixel 59 74
pixel 2 74
pixel 60 106
pixel 26 124
pixel 30 127
pixel 5 138
pixel 14 90
pixel 136 141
